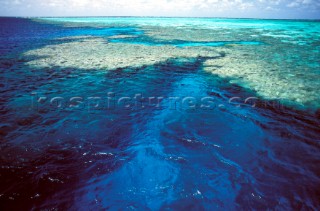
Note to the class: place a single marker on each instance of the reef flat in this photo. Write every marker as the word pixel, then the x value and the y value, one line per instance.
pixel 253 55
pixel 98 53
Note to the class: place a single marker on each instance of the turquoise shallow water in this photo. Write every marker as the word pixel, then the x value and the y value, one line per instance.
pixel 185 44
pixel 161 135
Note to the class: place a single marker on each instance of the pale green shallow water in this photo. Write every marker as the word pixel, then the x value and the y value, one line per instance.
pixel 278 59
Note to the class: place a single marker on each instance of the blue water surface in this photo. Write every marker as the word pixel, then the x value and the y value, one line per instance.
pixel 144 153
pixel 180 43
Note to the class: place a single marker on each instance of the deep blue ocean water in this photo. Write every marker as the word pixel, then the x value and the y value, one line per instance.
pixel 156 154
